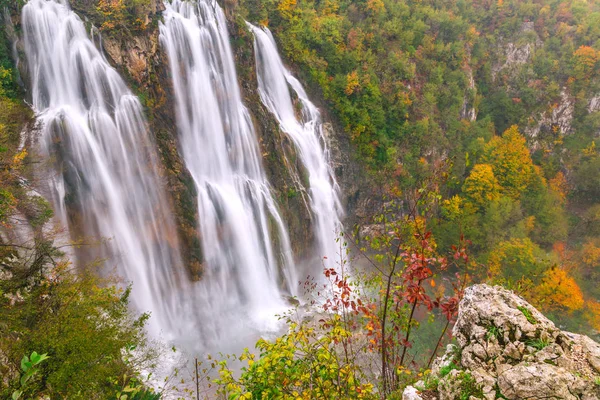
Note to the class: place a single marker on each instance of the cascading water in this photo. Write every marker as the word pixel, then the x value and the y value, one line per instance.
pixel 307 134
pixel 247 255
pixel 106 182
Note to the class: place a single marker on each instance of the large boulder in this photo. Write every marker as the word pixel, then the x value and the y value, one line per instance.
pixel 507 349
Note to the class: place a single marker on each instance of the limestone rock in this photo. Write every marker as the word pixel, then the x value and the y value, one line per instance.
pixel 508 349
pixel 411 393
pixel 594 104
pixel 539 381
pixel 559 120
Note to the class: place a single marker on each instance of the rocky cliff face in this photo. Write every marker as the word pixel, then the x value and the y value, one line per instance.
pixel 508 350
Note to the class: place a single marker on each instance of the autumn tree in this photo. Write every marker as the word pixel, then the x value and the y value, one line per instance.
pixel 511 161
pixel 482 187
pixel 585 61
pixel 558 291
pixel 516 259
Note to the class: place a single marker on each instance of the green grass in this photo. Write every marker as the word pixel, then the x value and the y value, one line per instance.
pixel 493 331
pixel 469 387
pixel 446 369
pixel 527 314
pixel 538 343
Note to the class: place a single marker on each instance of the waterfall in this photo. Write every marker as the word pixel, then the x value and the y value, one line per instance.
pixel 306 132
pixel 105 182
pixel 248 261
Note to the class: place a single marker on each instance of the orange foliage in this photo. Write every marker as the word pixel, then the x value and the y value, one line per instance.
pixel 354 39
pixel 113 12
pixel 375 6
pixel 559 185
pixel 286 8
pixel 352 84
pixel 586 59
pixel 591 254
pixel 559 291
pixel 592 313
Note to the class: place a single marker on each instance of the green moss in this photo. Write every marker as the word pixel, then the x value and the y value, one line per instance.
pixel 446 369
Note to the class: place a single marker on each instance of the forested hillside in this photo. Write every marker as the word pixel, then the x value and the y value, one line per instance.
pixel 464 136
pixel 496 100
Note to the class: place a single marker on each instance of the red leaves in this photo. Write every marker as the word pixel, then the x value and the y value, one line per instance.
pixel 450 307
pixel 341 294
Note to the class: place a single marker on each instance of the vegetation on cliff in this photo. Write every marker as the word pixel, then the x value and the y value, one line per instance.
pixel 478 118
pixel 501 97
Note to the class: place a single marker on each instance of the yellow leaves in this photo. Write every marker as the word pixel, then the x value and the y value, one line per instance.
pixel 529 223
pixel 559 291
pixel 113 12
pixel 375 6
pixel 515 255
pixel 586 58
pixel 352 83
pixel 329 7
pixel 482 187
pixel 590 151
pixel 19 157
pixel 472 34
pixel 591 254
pixel 559 185
pixel 511 161
pixel 298 365
pixel 592 313
pixel 5 74
pixel 286 8
pixel 453 208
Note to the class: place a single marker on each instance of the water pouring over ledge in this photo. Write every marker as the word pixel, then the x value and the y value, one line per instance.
pixel 105 181
pixel 248 264
pixel 306 132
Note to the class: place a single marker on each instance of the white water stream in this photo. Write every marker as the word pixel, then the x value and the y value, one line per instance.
pixel 106 181
pixel 105 167
pixel 306 132
pixel 247 255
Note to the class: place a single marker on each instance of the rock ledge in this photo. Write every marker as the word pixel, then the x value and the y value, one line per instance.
pixel 509 350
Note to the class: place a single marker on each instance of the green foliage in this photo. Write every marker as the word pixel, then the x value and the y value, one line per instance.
pixel 404 79
pixel 123 15
pixel 469 387
pixel 446 369
pixel 538 343
pixel 493 332
pixel 84 324
pixel 302 364
pixel 527 313
pixel 29 368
